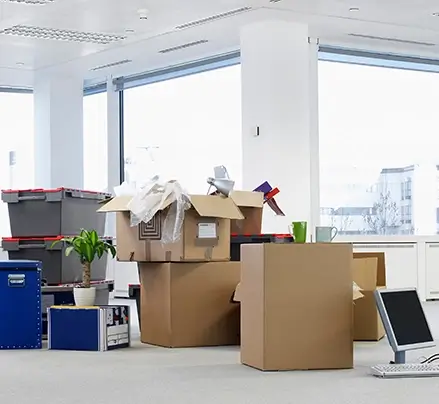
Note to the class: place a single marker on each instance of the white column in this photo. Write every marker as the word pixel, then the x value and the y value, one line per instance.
pixel 58 119
pixel 280 103
pixel 113 150
pixel 113 143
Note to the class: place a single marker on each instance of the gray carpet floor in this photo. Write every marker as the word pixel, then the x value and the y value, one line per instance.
pixel 149 375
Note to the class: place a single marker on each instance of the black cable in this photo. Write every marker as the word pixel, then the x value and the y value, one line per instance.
pixel 431 358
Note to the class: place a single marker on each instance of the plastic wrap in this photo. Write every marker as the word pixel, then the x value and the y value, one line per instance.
pixel 155 197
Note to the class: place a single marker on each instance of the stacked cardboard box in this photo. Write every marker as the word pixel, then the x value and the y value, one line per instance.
pixel 186 286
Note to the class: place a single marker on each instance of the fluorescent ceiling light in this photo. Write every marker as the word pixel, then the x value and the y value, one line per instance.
pixel 61 35
pixel 396 40
pixel 215 17
pixel 184 46
pixel 113 64
pixel 31 2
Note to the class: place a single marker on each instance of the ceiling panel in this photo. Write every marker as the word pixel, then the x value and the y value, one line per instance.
pixel 330 20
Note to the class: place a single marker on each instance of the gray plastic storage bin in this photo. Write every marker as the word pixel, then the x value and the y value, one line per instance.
pixel 50 212
pixel 57 268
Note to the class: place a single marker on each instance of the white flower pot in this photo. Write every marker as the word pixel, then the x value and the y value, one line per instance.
pixel 84 296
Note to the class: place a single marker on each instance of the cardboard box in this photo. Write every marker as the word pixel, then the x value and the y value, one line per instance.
pixel 251 206
pixel 205 232
pixel 369 274
pixel 296 306
pixel 188 304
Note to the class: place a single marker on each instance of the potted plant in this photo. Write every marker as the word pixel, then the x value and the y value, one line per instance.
pixel 88 246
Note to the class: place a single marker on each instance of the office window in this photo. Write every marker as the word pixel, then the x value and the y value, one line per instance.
pixel 95 142
pixel 379 148
pixel 181 128
pixel 17 147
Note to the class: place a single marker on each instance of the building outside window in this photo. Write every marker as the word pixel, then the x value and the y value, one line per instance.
pixel 379 149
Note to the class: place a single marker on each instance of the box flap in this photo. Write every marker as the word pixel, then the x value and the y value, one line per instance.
pixel 357 292
pixel 215 206
pixel 116 204
pixel 237 295
pixel 365 272
pixel 248 199
pixel 381 270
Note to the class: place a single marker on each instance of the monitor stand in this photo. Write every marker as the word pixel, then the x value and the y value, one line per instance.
pixel 399 358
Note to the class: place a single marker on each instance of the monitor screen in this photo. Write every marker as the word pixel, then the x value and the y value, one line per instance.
pixel 406 317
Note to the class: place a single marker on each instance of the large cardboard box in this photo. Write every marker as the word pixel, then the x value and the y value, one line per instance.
pixel 369 274
pixel 188 304
pixel 296 306
pixel 205 232
pixel 251 206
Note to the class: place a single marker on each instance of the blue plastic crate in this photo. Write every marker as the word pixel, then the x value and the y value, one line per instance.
pixel 20 305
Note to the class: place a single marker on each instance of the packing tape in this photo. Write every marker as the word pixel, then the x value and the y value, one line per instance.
pixel 147 250
pixel 208 252
pixel 168 256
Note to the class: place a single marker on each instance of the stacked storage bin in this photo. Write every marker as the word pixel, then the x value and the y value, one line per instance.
pixel 38 217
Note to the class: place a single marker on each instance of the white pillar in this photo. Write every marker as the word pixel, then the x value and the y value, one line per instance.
pixel 113 136
pixel 280 102
pixel 113 149
pixel 58 119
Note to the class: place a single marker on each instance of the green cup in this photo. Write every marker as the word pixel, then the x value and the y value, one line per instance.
pixel 298 231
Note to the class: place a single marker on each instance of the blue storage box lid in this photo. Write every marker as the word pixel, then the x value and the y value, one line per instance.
pixel 21 264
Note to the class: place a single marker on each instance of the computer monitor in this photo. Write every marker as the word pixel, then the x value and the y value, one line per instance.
pixel 404 321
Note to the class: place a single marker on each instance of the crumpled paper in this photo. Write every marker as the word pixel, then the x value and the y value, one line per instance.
pixel 156 197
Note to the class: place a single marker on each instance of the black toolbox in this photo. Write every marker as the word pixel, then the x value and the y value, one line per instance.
pixel 57 268
pixel 237 240
pixel 48 212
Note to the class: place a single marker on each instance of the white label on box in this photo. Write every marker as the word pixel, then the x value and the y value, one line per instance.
pixel 46 302
pixel 207 230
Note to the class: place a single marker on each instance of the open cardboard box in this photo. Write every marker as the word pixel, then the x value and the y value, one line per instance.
pixel 251 206
pixel 205 231
pixel 370 274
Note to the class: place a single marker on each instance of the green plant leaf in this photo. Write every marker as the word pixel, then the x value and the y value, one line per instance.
pixel 94 238
pixel 69 250
pixel 112 250
pixel 88 246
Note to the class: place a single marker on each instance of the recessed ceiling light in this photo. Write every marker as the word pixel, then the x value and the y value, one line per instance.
pixel 19 64
pixel 61 35
pixel 143 13
pixel 353 9
pixel 436 14
pixel 130 31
